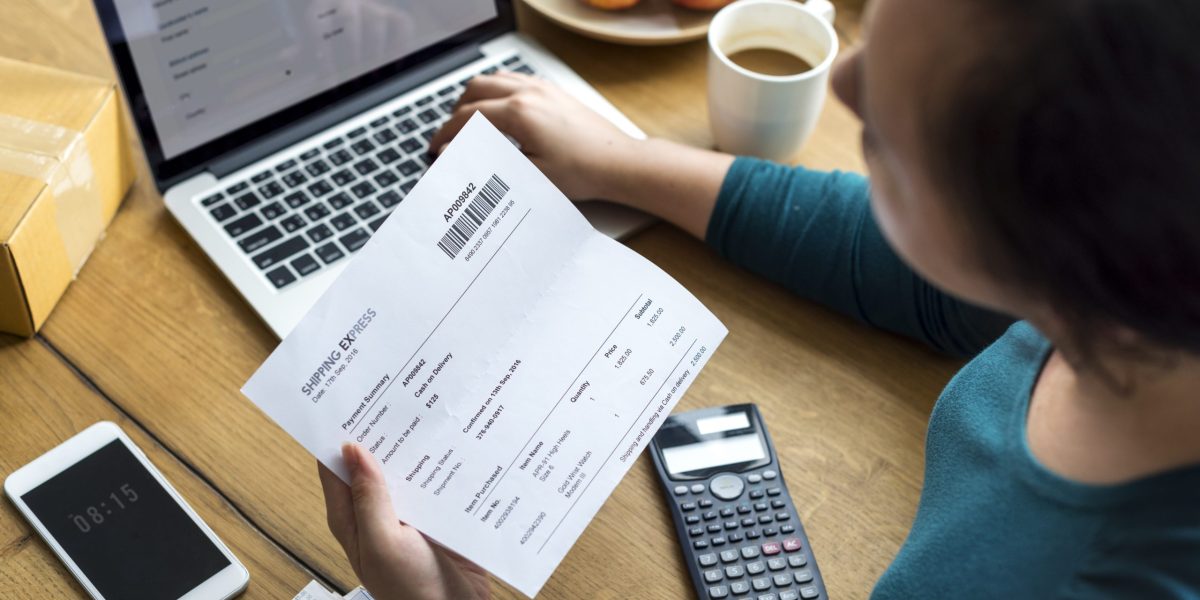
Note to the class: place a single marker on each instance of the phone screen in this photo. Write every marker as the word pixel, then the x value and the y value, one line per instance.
pixel 122 528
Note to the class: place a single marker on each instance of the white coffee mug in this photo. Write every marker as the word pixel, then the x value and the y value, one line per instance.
pixel 764 115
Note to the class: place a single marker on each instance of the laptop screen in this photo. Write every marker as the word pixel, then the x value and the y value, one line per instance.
pixel 209 67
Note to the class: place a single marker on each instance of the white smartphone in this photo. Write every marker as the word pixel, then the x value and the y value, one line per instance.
pixel 117 524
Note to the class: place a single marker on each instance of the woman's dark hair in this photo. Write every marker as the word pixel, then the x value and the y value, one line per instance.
pixel 1071 147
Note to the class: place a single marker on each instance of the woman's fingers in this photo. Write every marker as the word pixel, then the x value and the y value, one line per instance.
pixel 487 87
pixel 497 110
pixel 374 518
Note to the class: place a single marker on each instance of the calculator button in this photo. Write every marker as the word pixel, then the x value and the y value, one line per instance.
pixel 710 515
pixel 770 596
pixel 756 568
pixel 783 580
pixel 691 519
pixel 712 576
pixel 727 487
pixel 697 488
pixel 700 544
pixel 705 503
pixel 803 576
pixel 756 494
pixel 770 531
pixel 797 560
pixel 753 534
pixel 731 525
pixel 687 506
pixel 769 474
pixel 774 491
pixel 714 528
pixel 719 541
pixel 680 490
pixel 695 531
pixel 726 512
pixel 791 545
pixel 782 516
pixel 777 564
pixel 761 584
pixel 770 548
pixel 734 571
pixel 787 529
pixel 777 503
pixel 739 587
pixel 736 537
pixel 718 591
pixel 764 518
pixel 789 595
pixel 748 522
pixel 754 478
pixel 760 506
pixel 729 555
pixel 749 552
pixel 743 509
pixel 707 560
pixel 809 592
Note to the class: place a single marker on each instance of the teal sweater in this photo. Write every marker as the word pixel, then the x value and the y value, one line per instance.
pixel 992 522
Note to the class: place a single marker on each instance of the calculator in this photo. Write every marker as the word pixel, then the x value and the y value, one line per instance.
pixel 739 531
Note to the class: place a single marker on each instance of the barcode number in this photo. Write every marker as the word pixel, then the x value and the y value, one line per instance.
pixel 472 217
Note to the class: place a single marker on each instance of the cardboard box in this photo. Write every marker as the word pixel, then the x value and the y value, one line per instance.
pixel 64 168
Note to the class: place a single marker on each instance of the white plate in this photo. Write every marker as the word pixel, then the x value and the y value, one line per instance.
pixel 650 23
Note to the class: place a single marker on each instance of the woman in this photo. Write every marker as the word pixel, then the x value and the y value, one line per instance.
pixel 1033 158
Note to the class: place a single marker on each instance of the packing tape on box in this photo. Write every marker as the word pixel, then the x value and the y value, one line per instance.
pixel 59 157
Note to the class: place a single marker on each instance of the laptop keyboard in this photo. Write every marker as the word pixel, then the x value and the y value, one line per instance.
pixel 305 213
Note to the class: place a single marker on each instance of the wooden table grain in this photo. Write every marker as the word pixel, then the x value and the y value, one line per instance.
pixel 152 336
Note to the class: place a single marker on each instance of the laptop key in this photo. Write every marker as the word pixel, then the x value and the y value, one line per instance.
pixel 377 223
pixel 448 106
pixel 355 239
pixel 272 211
pixel 320 188
pixel 411 145
pixel 247 201
pixel 362 147
pixel 343 177
pixel 389 199
pixel 384 136
pixel 213 199
pixel 319 232
pixel 334 143
pixel 406 126
pixel 316 212
pixel 280 252
pixel 239 187
pixel 292 223
pixel 386 179
pixel 343 221
pixel 428 116
pixel 242 225
pixel 281 277
pixel 524 69
pixel 311 154
pixel 407 186
pixel 317 167
pixel 259 239
pixel 365 166
pixel 329 252
pixel 446 91
pixel 223 212
pixel 424 101
pixel 510 61
pixel 341 157
pixel 340 200
pixel 366 210
pixel 305 264
pixel 270 189
pixel 285 165
pixel 388 156
pixel 296 199
pixel 294 179
pixel 429 133
pixel 361 131
pixel 408 167
pixel 261 177
pixel 380 122
pixel 490 70
pixel 363 189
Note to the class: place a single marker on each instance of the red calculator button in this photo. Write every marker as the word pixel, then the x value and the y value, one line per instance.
pixel 791 545
pixel 770 548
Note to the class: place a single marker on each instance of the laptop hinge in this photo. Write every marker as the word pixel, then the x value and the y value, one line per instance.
pixel 363 101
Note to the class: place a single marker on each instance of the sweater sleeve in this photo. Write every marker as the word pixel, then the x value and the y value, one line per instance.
pixel 813 232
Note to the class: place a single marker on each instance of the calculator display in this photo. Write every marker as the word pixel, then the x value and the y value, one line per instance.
pixel 714 453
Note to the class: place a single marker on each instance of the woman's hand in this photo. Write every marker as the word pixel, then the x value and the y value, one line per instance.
pixel 580 151
pixel 393 560
pixel 587 157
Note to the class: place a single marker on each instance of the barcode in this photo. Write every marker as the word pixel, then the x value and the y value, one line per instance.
pixel 472 217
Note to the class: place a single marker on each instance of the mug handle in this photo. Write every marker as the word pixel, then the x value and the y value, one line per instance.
pixel 822 8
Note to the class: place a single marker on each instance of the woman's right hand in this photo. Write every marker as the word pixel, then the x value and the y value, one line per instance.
pixel 579 150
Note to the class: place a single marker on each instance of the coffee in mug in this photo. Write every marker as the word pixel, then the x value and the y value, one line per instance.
pixel 770 61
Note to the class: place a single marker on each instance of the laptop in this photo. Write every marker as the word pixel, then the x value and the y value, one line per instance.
pixel 283 133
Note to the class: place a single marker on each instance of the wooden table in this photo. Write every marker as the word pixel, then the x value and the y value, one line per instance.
pixel 153 337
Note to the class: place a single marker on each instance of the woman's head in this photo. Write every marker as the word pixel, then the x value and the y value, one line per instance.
pixel 1041 157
